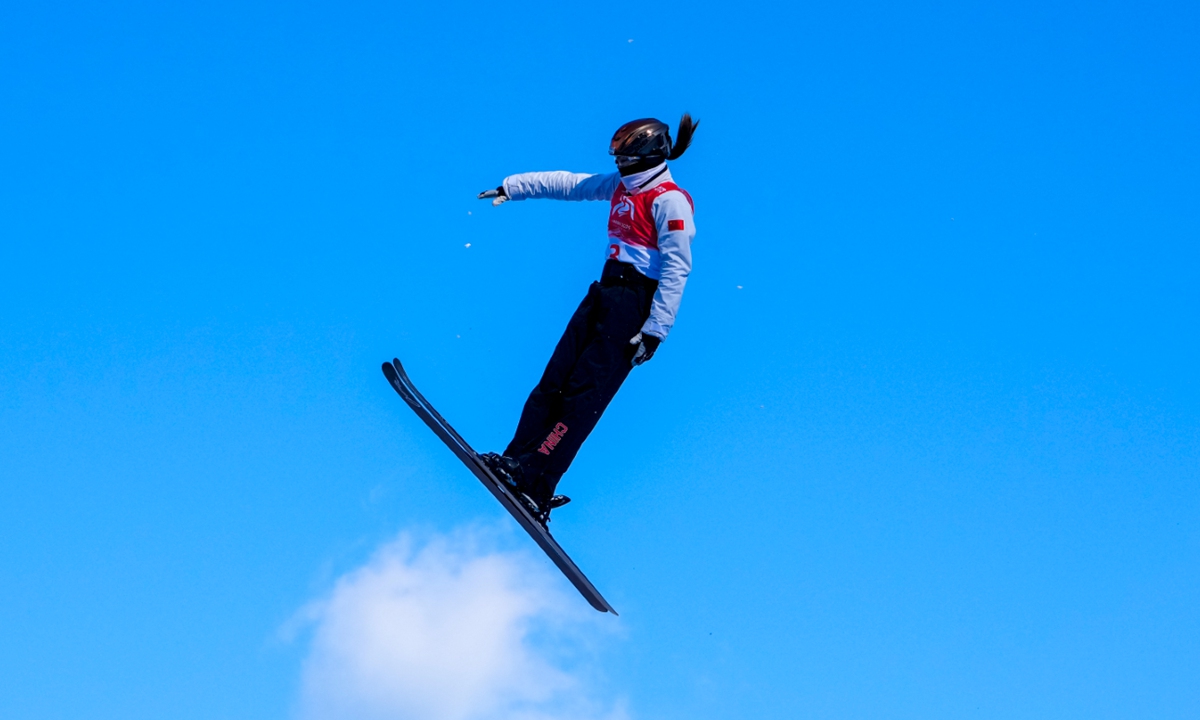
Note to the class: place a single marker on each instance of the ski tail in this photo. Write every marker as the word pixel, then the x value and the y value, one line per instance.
pixel 429 408
pixel 436 423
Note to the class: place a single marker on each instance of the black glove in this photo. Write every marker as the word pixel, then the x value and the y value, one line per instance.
pixel 500 196
pixel 647 345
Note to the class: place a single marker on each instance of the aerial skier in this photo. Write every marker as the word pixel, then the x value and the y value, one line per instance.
pixel 618 326
pixel 624 316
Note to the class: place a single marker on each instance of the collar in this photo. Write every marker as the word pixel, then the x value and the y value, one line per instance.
pixel 640 182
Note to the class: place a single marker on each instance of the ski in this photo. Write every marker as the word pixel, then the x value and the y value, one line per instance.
pixel 403 386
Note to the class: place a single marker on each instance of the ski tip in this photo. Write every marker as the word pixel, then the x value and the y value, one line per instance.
pixel 599 603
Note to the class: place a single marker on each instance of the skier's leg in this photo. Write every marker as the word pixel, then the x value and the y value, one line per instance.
pixel 544 405
pixel 599 371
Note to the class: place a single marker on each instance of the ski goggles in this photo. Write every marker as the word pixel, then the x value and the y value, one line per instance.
pixel 627 160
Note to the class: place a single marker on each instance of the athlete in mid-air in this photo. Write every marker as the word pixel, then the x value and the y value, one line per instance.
pixel 624 316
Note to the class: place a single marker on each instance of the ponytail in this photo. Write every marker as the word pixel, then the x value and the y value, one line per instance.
pixel 683 137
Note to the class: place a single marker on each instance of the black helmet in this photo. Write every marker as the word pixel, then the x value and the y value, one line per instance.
pixel 650 138
pixel 642 138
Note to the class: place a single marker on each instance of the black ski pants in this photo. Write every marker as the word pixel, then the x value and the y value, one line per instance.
pixel 587 368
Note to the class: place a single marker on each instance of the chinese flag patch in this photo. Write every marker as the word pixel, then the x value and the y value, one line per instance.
pixel 674 225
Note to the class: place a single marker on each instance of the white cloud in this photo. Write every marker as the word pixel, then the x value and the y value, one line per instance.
pixel 448 630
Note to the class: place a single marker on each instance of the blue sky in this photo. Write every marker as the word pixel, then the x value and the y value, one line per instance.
pixel 924 443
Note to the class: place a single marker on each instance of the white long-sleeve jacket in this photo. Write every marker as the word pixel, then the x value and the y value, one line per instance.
pixel 650 227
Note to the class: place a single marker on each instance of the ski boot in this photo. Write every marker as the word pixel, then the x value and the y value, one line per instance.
pixel 509 471
pixel 540 507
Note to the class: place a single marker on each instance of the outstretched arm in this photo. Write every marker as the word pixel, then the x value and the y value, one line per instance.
pixel 557 185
